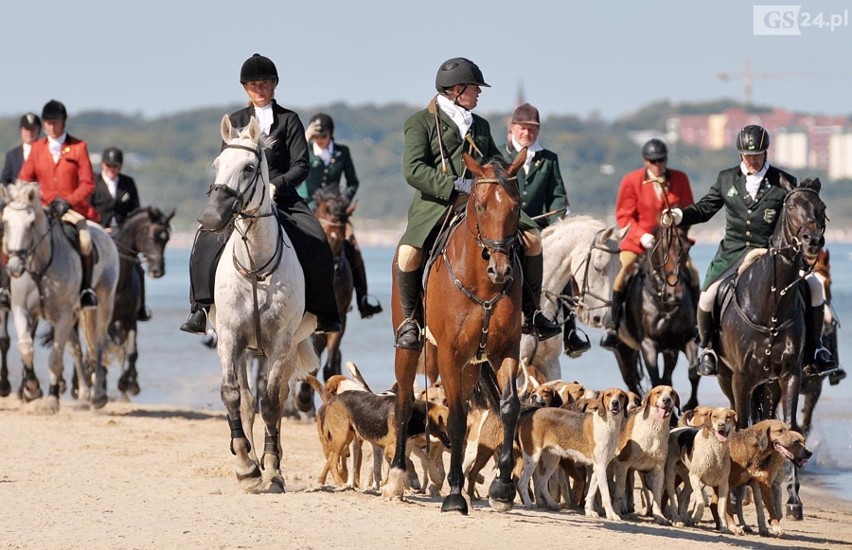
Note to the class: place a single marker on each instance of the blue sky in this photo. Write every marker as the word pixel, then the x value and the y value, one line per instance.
pixel 158 57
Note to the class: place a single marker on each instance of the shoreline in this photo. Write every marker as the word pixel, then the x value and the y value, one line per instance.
pixel 388 235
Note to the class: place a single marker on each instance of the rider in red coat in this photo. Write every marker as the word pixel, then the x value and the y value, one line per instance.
pixel 61 166
pixel 642 197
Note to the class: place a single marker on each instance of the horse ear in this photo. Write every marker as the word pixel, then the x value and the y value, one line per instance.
pixel 254 130
pixel 519 162
pixel 351 208
pixel 472 165
pixel 225 128
pixel 171 215
pixel 32 194
pixel 811 183
pixel 785 183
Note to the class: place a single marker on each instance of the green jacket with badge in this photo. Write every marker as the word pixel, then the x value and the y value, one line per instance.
pixel 542 189
pixel 322 175
pixel 421 165
pixel 748 223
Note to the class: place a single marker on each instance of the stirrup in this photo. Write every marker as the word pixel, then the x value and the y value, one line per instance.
pixel 708 363
pixel 408 335
pixel 367 310
pixel 574 345
pixel 5 299
pixel 196 323
pixel 823 363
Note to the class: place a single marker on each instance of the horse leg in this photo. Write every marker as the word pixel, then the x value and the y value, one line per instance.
pixel 651 356
pixel 691 353
pixel 501 493
pixel 129 353
pixel 270 411
pixel 5 342
pixel 81 378
pixel 669 363
pixel 332 356
pixel 628 365
pixel 741 392
pixel 249 405
pixel 61 332
pixel 812 390
pixel 94 332
pixel 456 426
pixel 405 370
pixel 248 473
pixel 790 398
pixel 25 325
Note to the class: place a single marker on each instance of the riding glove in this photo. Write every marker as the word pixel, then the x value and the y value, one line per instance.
pixel 463 185
pixel 647 241
pixel 674 215
pixel 59 206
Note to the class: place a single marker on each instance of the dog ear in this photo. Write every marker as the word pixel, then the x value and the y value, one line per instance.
pixel 763 438
pixel 601 406
pixel 624 401
pixel 646 405
pixel 676 398
pixel 557 400
pixel 708 420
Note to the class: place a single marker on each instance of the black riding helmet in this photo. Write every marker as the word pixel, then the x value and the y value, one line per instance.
pixel 458 70
pixel 323 124
pixel 655 149
pixel 258 67
pixel 112 156
pixel 53 110
pixel 752 140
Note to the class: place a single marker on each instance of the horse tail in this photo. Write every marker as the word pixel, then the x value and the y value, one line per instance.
pixel 46 337
pixel 486 392
pixel 307 360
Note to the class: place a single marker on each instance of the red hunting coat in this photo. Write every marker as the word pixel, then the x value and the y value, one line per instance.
pixel 637 204
pixel 71 178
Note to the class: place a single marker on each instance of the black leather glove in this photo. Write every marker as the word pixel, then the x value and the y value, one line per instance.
pixel 59 206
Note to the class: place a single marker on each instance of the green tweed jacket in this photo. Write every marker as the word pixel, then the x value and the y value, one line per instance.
pixel 542 189
pixel 748 223
pixel 321 175
pixel 421 166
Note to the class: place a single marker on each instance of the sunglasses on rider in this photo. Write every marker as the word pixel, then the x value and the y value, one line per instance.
pixel 659 161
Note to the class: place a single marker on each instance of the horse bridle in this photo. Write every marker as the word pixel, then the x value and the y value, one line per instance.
pixel 25 253
pixel 491 246
pixel 586 263
pixel 240 195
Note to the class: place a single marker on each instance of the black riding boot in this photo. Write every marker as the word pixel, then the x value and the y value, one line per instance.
pixel 695 295
pixel 197 321
pixel 359 280
pixel 87 295
pixel 708 362
pixel 409 331
pixel 817 359
pixel 610 338
pixel 573 344
pixel 534 320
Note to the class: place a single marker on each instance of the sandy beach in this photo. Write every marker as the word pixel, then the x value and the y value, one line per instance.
pixel 146 476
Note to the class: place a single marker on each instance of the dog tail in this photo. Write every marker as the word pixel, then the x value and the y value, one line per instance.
pixel 356 375
pixel 316 385
pixel 486 392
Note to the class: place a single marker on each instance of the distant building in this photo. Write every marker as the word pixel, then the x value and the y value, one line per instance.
pixel 798 141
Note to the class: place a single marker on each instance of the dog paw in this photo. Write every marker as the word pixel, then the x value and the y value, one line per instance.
pixel 592 514
pixel 776 531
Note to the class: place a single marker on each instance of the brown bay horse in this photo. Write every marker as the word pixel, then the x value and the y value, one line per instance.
pixel 472 305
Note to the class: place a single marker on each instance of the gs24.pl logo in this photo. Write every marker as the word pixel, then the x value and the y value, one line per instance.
pixel 792 20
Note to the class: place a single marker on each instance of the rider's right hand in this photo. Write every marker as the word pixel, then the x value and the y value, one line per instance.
pixel 671 215
pixel 463 185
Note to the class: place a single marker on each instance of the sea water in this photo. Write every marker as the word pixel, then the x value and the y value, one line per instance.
pixel 176 369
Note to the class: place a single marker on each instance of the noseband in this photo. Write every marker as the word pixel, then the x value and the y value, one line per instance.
pixel 242 200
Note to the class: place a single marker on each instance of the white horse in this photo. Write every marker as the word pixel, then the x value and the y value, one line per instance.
pixel 260 302
pixel 584 252
pixel 46 276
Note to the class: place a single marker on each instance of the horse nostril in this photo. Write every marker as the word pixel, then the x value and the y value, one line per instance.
pixel 596 318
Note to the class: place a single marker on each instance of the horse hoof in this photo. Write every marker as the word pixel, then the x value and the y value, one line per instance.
pixel 133 389
pixel 454 503
pixel 276 486
pixel 794 512
pixel 99 402
pixel 501 495
pixel 28 394
pixel 5 388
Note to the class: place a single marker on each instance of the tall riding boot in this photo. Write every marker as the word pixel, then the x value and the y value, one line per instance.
pixel 572 343
pixel 694 295
pixel 708 363
pixel 408 334
pixel 817 359
pixel 359 279
pixel 87 295
pixel 610 338
pixel 534 320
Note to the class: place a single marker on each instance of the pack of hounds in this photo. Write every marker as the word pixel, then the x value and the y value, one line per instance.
pixel 575 448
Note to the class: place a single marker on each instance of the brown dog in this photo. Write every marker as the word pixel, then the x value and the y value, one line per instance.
pixel 643 447
pixel 701 457
pixel 547 435
pixel 758 454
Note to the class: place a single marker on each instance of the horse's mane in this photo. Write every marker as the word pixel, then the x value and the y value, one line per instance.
pixel 500 165
pixel 22 194
pixel 751 257
pixel 572 223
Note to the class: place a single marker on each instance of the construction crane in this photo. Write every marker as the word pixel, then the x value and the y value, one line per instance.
pixel 748 77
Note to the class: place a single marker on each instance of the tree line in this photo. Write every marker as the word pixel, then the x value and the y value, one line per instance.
pixel 170 156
